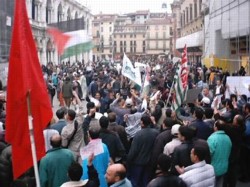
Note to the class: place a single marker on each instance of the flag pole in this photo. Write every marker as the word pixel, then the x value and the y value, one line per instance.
pixel 32 140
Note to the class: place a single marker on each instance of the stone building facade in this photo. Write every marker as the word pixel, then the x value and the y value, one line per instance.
pixel 44 12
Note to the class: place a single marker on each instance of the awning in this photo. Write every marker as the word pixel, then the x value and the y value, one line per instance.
pixel 192 40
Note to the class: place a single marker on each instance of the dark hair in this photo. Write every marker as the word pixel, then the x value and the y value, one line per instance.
pixel 168 122
pixel 240 121
pixel 187 132
pixel 61 112
pixel 157 113
pixel 164 162
pixel 200 152
pixel 112 117
pixel 133 110
pixel 168 112
pixel 209 112
pixel 90 105
pixel 146 120
pixel 229 103
pixel 104 122
pixel 55 143
pixel 221 125
pixel 71 114
pixel 75 171
pixel 247 106
pixel 199 113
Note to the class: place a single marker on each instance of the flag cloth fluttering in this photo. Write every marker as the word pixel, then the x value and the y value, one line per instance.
pixel 25 76
pixel 129 71
pixel 71 43
pixel 180 82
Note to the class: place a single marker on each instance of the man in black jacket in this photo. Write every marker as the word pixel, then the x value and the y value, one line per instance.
pixel 140 153
pixel 181 154
pixel 112 140
pixel 163 177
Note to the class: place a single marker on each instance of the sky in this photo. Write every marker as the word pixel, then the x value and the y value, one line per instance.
pixel 125 6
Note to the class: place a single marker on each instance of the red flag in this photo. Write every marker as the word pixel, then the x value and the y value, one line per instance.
pixel 59 38
pixel 184 68
pixel 25 75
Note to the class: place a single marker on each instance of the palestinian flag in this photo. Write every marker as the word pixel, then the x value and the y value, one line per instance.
pixel 180 82
pixel 71 43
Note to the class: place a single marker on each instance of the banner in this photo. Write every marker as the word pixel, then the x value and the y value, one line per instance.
pixel 130 72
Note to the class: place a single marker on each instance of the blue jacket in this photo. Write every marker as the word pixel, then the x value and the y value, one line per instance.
pixel 100 163
pixel 59 125
pixel 220 147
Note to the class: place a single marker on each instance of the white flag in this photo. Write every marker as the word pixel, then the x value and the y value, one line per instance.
pixel 129 71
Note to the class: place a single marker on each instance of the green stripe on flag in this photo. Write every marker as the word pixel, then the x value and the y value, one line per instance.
pixel 77 49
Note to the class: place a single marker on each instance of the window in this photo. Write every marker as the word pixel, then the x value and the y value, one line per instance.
pixel 187 14
pixel 68 14
pixel 124 35
pixel 200 3
pixel 134 35
pixel 48 11
pixel 144 43
pixel 110 29
pixel 164 35
pixel 143 36
pixel 124 50
pixel 114 43
pixel 101 29
pixel 156 45
pixel 97 33
pixel 124 43
pixel 121 43
pixel 195 10
pixel 191 12
pixel 131 35
pixel 156 35
pixel 131 49
pixel 114 35
pixel 134 43
pixel 34 11
pixel 121 50
pixel 134 49
pixel 144 49
pixel 145 17
pixel 184 21
pixel 120 35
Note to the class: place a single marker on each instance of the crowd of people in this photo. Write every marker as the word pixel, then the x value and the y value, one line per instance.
pixel 144 143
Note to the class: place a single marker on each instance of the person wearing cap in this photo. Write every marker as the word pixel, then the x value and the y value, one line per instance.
pixel 169 147
pixel 163 177
pixel 206 102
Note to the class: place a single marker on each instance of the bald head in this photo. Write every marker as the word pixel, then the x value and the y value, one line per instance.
pixel 56 141
pixel 115 173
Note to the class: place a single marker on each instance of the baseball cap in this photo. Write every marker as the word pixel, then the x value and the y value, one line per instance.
pixel 175 129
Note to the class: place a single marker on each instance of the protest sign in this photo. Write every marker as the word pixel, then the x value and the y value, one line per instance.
pixel 94 146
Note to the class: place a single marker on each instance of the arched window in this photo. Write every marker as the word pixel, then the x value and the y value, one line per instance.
pixel 48 11
pixel 76 15
pixel 34 10
pixel 59 13
pixel 68 14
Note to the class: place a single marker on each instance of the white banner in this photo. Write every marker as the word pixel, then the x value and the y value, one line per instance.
pixel 129 71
